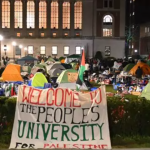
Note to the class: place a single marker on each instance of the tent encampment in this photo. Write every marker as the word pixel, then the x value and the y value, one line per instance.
pixel 128 67
pixel 146 92
pixel 68 78
pixel 37 67
pixel 54 66
pixel 38 80
pixel 71 58
pixel 12 73
pixel 55 72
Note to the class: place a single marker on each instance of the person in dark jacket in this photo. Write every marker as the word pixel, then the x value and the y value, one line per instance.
pixel 139 73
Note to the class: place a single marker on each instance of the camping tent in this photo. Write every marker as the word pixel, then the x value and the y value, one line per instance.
pixel 54 66
pixel 25 68
pixel 146 92
pixel 72 58
pixel 145 68
pixel 128 67
pixel 12 73
pixel 38 80
pixel 68 79
pixel 36 67
pixel 55 72
pixel 27 59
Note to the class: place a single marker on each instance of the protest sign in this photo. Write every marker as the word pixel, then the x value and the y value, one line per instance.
pixel 60 118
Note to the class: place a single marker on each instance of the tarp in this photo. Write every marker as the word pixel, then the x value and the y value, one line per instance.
pixel 73 57
pixel 128 67
pixel 145 68
pixel 146 92
pixel 12 73
pixel 39 80
pixel 60 119
pixel 27 58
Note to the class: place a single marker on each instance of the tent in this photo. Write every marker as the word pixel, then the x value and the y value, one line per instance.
pixel 68 79
pixel 50 59
pixel 27 59
pixel 36 67
pixel 74 65
pixel 146 92
pixel 38 80
pixel 72 58
pixel 144 67
pixel 55 65
pixel 128 67
pixel 12 73
pixel 55 72
pixel 25 68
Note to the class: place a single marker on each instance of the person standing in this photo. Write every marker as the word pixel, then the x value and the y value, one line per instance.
pixel 139 73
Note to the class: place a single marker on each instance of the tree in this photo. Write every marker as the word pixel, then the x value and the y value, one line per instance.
pixel 130 35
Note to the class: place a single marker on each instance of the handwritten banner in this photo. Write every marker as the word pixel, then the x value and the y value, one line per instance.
pixel 60 118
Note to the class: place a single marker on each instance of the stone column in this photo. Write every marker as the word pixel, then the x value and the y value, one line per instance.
pixel 48 17
pixel 0 15
pixel 60 18
pixel 24 2
pixel 12 14
pixel 72 18
pixel 36 18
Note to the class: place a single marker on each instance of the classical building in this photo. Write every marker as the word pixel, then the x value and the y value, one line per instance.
pixel 62 27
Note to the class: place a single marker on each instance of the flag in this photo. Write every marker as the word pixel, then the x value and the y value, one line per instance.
pixel 81 72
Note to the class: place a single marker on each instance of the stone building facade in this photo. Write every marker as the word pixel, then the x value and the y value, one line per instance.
pixel 62 27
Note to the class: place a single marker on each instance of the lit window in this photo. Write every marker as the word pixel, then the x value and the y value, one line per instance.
pixel 30 50
pixel 43 50
pixel 78 50
pixel 42 14
pixel 66 15
pixel 107 19
pixel 5 14
pixel 66 34
pixel 145 29
pixel 132 46
pixel 42 34
pixel 18 14
pixel 18 34
pixel 148 29
pixel 30 34
pixel 78 15
pixel 107 32
pixel 77 34
pixel 133 13
pixel 66 50
pixel 30 14
pixel 54 50
pixel 130 1
pixel 54 15
pixel 54 34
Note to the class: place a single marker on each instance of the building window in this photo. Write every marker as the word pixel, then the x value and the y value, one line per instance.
pixel 30 50
pixel 107 32
pixel 66 15
pixel 107 26
pixel 5 14
pixel 108 3
pixel 66 50
pixel 78 15
pixel 30 14
pixel 66 34
pixel 54 50
pixel 42 34
pixel 30 34
pixel 43 50
pixel 42 14
pixel 18 34
pixel 18 14
pixel 78 50
pixel 54 15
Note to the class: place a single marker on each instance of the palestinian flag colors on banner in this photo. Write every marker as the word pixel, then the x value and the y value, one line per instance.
pixel 81 72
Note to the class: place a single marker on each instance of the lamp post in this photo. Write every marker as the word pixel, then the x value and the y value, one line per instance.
pixel 1 38
pixel 25 49
pixel 14 44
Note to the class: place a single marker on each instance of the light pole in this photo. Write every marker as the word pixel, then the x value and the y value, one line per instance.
pixel 14 44
pixel 1 38
pixel 25 49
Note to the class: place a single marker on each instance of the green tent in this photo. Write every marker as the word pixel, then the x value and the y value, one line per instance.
pixel 148 62
pixel 36 67
pixel 50 59
pixel 26 69
pixel 128 67
pixel 74 56
pixel 63 78
pixel 146 92
pixel 39 80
